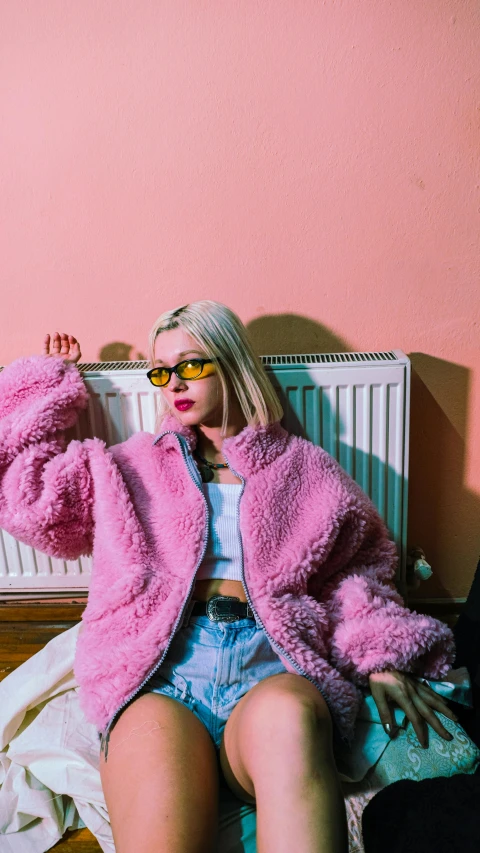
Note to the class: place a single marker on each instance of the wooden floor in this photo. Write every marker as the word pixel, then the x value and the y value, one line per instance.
pixel 80 841
pixel 24 629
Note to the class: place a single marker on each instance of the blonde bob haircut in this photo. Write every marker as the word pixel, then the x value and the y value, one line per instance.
pixel 222 335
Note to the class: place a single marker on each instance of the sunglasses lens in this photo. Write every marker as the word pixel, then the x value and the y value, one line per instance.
pixel 190 369
pixel 159 377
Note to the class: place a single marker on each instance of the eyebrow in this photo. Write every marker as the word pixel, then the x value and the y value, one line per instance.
pixel 186 352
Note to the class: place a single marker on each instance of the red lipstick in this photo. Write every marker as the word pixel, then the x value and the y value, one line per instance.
pixel 184 404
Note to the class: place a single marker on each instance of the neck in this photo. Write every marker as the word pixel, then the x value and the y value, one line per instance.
pixel 210 440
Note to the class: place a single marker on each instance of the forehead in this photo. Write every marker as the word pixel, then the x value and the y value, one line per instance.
pixel 172 346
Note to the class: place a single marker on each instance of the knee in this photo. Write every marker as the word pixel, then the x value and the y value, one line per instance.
pixel 295 710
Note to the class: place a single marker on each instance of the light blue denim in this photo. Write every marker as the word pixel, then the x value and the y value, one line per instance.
pixel 210 665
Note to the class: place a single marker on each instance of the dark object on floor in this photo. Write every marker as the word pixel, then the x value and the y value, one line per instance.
pixel 439 815
pixel 467 640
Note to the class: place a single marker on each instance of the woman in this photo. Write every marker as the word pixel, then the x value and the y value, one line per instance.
pixel 241 595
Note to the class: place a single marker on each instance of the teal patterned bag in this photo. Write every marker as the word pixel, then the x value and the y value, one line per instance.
pixel 404 758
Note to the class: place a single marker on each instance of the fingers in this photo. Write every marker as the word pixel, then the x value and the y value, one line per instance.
pixel 62 345
pixel 384 709
pixel 405 700
pixel 73 345
pixel 425 711
pixel 58 342
pixel 417 700
pixel 402 692
pixel 436 701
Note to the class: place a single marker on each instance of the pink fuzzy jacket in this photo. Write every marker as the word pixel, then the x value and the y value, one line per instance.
pixel 318 562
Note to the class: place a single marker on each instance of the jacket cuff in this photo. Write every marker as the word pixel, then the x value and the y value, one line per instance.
pixel 408 642
pixel 40 396
pixel 30 378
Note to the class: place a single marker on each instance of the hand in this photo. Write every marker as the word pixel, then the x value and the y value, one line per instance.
pixel 415 698
pixel 63 346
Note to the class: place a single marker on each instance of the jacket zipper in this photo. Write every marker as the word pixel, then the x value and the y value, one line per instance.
pixel 106 734
pixel 252 608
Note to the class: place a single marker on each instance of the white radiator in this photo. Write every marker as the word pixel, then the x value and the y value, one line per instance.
pixel 355 405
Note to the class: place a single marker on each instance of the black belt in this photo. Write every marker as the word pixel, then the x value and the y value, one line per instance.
pixel 225 608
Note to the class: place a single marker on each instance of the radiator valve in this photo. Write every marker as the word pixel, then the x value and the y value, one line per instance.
pixel 417 567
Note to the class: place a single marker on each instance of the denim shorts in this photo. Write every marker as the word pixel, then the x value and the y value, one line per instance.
pixel 210 665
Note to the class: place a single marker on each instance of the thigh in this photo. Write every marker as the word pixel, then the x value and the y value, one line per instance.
pixel 280 710
pixel 161 778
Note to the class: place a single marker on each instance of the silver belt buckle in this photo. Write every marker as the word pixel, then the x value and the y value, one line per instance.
pixel 217 611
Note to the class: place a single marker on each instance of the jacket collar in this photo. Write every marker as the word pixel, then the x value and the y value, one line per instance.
pixel 253 448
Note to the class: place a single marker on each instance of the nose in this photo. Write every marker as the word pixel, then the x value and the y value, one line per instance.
pixel 176 384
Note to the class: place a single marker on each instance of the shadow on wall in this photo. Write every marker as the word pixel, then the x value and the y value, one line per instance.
pixel 270 334
pixel 443 515
pixel 118 351
pixel 287 334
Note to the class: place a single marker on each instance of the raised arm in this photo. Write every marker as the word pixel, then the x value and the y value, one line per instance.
pixel 46 488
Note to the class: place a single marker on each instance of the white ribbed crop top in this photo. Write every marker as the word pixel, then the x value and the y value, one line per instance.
pixel 223 555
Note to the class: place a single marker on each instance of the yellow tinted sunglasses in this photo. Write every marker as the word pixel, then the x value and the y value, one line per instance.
pixel 192 368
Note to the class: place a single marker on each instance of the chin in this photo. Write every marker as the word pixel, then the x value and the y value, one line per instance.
pixel 188 417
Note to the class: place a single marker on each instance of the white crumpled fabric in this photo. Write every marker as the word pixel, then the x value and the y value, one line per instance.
pixel 49 771
pixel 50 758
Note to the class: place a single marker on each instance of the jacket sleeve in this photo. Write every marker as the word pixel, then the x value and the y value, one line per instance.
pixel 370 628
pixel 46 487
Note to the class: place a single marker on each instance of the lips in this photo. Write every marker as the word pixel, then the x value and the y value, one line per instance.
pixel 183 405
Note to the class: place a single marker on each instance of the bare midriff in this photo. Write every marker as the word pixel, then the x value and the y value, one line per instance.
pixel 204 589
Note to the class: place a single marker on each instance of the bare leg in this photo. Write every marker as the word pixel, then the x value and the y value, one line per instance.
pixel 277 747
pixel 160 779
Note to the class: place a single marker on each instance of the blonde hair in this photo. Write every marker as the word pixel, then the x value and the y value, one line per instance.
pixel 222 335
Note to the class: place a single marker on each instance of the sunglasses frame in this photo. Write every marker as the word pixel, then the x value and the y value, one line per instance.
pixel 174 369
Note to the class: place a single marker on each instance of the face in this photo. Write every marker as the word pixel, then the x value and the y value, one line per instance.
pixel 206 391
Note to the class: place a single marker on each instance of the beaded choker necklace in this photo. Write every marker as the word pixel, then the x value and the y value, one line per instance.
pixel 206 468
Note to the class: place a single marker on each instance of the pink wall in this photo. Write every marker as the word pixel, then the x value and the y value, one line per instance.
pixel 289 158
